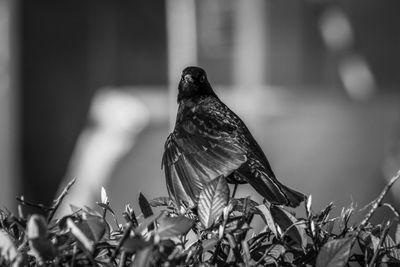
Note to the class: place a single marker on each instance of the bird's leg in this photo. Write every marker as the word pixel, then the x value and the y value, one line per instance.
pixel 234 190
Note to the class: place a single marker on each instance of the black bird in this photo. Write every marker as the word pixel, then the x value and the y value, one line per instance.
pixel 210 140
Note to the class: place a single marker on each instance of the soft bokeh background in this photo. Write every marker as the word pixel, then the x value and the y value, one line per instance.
pixel 87 90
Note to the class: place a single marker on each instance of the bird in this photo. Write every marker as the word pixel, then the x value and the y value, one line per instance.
pixel 208 141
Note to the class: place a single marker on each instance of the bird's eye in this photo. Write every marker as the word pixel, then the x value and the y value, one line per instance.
pixel 202 78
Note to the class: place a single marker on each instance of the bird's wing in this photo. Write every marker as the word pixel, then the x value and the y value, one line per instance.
pixel 257 171
pixel 200 149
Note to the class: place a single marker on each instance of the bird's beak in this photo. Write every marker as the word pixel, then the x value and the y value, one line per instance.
pixel 188 78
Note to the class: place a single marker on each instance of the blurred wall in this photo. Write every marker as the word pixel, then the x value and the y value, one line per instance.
pixel 296 53
pixel 68 50
pixel 8 104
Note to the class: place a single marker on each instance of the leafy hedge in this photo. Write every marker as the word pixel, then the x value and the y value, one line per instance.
pixel 218 233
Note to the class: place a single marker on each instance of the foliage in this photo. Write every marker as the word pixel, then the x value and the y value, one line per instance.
pixel 218 232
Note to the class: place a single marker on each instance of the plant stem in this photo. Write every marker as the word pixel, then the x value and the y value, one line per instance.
pixel 57 202
pixel 122 259
pixel 234 190
pixel 378 201
pixel 38 206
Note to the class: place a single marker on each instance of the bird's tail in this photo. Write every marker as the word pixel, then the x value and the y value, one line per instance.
pixel 294 197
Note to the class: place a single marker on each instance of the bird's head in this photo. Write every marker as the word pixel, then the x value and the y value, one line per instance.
pixel 193 83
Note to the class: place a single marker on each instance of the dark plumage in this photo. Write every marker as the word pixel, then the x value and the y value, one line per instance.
pixel 210 140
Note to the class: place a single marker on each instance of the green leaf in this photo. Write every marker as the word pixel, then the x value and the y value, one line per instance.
pixel 345 216
pixel 335 253
pixel 257 252
pixel 160 201
pixel 148 221
pixel 213 199
pixel 329 226
pixel 389 243
pixel 106 207
pixel 397 235
pixel 135 243
pixel 104 197
pixel 244 205
pixel 143 257
pixel 209 244
pixel 93 212
pixel 94 227
pixel 308 206
pixel 37 234
pixel 267 217
pixel 8 251
pixel 274 254
pixel 36 227
pixel 145 206
pixel 289 225
pixel 368 241
pixel 75 209
pixel 288 257
pixel 80 236
pixel 129 215
pixel 174 226
pixel 146 209
pixel 323 215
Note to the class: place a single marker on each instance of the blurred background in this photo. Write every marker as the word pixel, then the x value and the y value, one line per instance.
pixel 88 89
